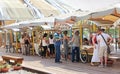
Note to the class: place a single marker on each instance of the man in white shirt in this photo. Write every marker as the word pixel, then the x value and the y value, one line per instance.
pixel 102 46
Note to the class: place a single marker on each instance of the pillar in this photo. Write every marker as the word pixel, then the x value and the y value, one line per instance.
pixel 81 34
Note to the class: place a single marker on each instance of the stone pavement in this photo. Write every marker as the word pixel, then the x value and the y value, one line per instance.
pixel 67 67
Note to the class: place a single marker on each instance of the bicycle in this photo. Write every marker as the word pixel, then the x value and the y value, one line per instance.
pixel 83 54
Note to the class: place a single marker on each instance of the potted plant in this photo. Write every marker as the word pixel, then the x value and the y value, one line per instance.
pixel 17 66
pixel 110 62
pixel 0 68
pixel 1 65
pixel 5 68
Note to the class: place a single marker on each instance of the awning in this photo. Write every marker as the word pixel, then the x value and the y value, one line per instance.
pixel 117 23
pixel 90 5
pixel 32 23
pixel 61 6
pixel 14 10
pixel 72 17
pixel 62 27
pixel 45 8
pixel 49 21
pixel 10 26
pixel 106 16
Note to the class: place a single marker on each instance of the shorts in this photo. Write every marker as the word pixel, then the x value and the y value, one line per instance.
pixel 103 51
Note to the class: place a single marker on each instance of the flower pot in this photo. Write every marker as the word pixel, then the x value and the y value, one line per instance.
pixel 110 62
pixel 4 69
pixel 17 67
pixel 0 71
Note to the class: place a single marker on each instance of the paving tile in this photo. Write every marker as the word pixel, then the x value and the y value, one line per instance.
pixel 67 67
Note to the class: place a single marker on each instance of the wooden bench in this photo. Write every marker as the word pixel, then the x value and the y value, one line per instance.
pixel 16 60
pixel 114 58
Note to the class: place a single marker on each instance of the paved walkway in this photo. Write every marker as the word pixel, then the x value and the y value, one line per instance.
pixel 68 67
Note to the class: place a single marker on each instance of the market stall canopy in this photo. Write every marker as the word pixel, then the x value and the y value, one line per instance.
pixel 32 23
pixel 62 27
pixel 84 23
pixel 10 26
pixel 106 16
pixel 45 8
pixel 102 12
pixel 72 17
pixel 117 23
pixel 90 5
pixel 49 21
pixel 17 26
pixel 62 19
pixel 61 6
pixel 14 10
pixel 46 27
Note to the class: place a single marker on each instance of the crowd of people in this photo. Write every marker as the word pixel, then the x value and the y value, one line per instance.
pixel 50 46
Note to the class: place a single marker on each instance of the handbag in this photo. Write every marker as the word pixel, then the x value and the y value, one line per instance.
pixel 108 48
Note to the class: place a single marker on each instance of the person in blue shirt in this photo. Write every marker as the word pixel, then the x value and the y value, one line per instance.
pixel 58 41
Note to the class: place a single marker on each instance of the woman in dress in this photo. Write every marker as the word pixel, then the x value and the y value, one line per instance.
pixel 95 57
pixel 65 43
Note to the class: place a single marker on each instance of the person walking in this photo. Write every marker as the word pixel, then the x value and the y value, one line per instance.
pixel 102 45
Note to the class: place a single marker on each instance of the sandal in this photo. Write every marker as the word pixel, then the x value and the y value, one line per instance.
pixel 92 64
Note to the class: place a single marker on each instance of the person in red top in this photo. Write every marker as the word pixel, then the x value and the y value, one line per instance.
pixel 95 57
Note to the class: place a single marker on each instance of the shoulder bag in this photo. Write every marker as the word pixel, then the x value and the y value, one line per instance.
pixel 108 48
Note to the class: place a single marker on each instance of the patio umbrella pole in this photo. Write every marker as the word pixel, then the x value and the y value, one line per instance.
pixel 33 42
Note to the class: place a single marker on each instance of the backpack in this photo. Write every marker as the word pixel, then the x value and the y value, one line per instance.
pixel 95 39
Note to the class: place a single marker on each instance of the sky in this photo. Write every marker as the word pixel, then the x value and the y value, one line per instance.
pixel 90 4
